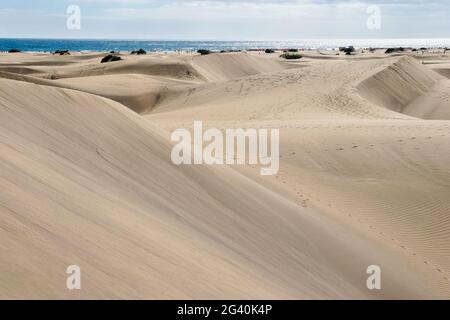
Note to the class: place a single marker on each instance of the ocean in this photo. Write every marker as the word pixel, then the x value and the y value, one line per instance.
pixel 49 45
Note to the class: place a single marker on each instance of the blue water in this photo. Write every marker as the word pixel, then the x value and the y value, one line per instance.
pixel 47 45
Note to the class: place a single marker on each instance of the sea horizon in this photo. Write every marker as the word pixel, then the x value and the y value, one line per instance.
pixel 53 44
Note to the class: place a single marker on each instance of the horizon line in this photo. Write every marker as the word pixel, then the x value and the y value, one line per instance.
pixel 222 40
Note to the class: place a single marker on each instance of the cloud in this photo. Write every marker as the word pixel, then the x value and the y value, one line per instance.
pixel 231 19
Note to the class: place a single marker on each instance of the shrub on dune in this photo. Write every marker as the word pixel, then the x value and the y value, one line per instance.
pixel 227 51
pixel 203 51
pixel 111 58
pixel 139 52
pixel 62 52
pixel 269 51
pixel 349 50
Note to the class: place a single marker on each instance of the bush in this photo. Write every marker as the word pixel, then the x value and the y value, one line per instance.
pixel 62 52
pixel 224 51
pixel 14 51
pixel 139 52
pixel 291 56
pixel 393 50
pixel 111 58
pixel 349 50
pixel 203 51
pixel 269 51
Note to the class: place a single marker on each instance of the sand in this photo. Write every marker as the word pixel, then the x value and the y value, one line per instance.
pixel 87 180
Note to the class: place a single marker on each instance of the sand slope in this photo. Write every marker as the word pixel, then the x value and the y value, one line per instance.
pixel 87 181
pixel 409 88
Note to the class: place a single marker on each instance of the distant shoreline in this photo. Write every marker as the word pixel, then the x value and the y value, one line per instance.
pixel 92 45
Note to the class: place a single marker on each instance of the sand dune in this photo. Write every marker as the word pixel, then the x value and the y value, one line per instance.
pixel 87 181
pixel 409 88
pixel 135 91
pixel 139 82
pixel 445 72
pixel 222 67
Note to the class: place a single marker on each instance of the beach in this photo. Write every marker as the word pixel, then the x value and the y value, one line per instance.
pixel 86 176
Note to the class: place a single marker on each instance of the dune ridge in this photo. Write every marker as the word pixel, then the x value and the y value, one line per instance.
pixel 407 87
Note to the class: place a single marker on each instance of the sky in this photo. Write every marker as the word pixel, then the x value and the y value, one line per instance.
pixel 225 19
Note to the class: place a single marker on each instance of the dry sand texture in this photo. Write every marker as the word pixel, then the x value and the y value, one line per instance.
pixel 86 177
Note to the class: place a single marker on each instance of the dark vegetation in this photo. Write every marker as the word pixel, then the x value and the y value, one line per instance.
pixel 347 50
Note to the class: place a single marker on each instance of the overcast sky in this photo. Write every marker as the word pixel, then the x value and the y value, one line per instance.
pixel 225 19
